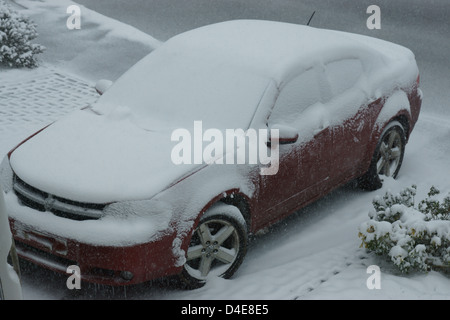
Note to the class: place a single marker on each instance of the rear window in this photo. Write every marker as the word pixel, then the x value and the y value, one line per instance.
pixel 342 75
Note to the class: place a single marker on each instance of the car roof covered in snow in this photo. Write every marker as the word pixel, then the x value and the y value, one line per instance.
pixel 226 68
pixel 279 50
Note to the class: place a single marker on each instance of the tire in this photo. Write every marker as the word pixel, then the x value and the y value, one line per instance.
pixel 217 248
pixel 387 158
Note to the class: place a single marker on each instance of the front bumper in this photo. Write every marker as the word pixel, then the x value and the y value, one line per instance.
pixel 114 250
pixel 109 265
pixel 129 243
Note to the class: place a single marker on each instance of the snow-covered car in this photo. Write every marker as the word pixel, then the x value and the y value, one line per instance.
pixel 129 190
pixel 10 287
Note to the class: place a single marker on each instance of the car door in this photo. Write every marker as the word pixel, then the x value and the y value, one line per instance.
pixel 303 164
pixel 352 122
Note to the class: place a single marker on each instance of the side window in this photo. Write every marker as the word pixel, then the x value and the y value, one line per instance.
pixel 300 93
pixel 342 75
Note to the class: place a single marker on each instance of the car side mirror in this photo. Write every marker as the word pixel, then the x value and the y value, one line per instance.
pixel 102 85
pixel 286 134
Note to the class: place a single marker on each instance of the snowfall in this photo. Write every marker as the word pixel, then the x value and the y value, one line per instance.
pixel 315 253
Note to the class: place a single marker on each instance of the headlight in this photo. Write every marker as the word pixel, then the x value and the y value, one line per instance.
pixel 141 221
pixel 6 175
pixel 142 208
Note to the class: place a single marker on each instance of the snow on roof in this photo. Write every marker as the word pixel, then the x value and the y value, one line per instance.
pixel 217 71
pixel 276 49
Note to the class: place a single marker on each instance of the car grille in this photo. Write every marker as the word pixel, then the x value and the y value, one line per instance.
pixel 42 201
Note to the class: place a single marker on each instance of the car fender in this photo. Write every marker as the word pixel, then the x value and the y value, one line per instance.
pixel 183 237
pixel 395 108
pixel 233 187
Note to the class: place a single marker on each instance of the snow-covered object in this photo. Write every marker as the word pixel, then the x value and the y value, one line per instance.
pixel 410 238
pixel 174 86
pixel 117 152
pixel 10 287
pixel 94 147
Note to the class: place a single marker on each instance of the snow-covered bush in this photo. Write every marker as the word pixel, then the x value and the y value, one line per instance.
pixel 16 32
pixel 412 238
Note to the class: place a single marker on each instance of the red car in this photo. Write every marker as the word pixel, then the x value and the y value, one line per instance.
pixel 139 186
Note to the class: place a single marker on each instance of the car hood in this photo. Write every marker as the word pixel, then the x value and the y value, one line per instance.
pixel 95 158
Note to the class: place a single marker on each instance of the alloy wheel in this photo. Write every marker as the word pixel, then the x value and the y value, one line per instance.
pixel 213 249
pixel 390 154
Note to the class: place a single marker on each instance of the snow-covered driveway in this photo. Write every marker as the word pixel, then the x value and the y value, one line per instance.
pixel 41 97
pixel 32 99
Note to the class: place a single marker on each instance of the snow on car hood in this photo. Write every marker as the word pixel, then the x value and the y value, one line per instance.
pixel 98 158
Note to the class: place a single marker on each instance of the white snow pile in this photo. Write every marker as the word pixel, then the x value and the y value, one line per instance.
pixel 101 49
pixel 16 32
pixel 414 239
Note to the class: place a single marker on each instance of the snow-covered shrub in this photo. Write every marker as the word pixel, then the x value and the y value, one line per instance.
pixel 16 32
pixel 433 209
pixel 412 238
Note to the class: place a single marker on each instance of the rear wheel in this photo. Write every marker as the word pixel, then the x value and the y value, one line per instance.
pixel 217 248
pixel 388 157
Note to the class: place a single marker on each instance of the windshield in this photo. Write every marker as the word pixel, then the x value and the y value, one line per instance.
pixel 170 90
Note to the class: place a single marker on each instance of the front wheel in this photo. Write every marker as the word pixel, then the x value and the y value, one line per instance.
pixel 217 248
pixel 388 157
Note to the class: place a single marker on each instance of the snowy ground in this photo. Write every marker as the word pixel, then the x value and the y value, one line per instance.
pixel 314 254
